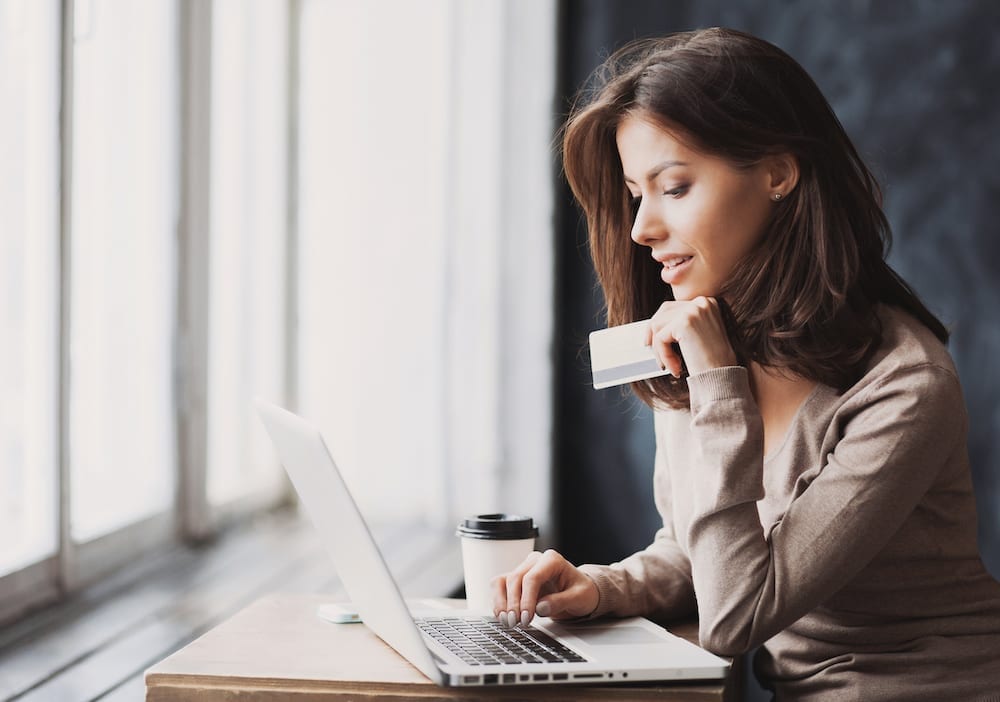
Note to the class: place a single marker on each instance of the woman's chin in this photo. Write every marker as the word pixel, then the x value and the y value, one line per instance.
pixel 682 293
pixel 686 293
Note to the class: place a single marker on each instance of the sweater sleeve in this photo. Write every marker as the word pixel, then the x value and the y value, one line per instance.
pixel 655 582
pixel 891 448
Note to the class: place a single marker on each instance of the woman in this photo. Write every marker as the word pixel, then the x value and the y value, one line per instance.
pixel 811 464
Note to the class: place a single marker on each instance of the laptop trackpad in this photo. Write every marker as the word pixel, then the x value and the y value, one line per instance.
pixel 611 634
pixel 615 635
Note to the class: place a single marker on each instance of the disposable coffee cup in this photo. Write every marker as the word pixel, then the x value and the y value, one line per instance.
pixel 492 544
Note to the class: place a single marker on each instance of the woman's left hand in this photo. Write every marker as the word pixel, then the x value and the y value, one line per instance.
pixel 696 326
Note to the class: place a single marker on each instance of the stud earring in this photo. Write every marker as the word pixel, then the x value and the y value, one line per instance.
pixel 776 196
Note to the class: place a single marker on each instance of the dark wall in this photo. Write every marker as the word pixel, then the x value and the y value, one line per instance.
pixel 917 86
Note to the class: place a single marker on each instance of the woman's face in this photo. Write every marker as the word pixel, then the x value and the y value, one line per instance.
pixel 698 214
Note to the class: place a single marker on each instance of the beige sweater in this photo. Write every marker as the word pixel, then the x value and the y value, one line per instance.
pixel 849 554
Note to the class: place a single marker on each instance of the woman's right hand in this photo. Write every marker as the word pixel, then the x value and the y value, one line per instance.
pixel 546 584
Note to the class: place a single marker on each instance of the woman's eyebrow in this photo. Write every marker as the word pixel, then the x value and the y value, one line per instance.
pixel 658 169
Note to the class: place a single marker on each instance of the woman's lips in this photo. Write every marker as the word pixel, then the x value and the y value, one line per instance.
pixel 674 268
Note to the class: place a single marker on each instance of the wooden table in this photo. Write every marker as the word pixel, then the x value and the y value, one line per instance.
pixel 278 649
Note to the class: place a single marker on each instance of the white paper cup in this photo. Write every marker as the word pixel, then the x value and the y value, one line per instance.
pixel 492 544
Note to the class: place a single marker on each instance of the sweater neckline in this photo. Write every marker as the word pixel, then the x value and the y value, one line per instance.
pixel 785 440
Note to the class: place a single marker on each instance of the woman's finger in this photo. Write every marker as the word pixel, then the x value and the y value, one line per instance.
pixel 667 351
pixel 549 568
pixel 578 600
pixel 513 605
pixel 507 591
pixel 499 585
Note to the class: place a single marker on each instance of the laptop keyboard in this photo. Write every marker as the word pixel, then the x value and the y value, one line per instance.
pixel 485 642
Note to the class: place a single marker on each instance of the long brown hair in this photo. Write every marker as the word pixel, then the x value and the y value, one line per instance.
pixel 804 300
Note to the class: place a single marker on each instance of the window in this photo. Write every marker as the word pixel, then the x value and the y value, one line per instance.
pixel 425 263
pixel 374 124
pixel 95 468
pixel 247 289
pixel 343 207
pixel 29 270
pixel 122 264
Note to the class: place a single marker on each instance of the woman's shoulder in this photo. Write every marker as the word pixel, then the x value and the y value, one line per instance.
pixel 910 356
pixel 907 344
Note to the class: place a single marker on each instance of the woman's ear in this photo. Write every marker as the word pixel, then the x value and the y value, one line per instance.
pixel 783 171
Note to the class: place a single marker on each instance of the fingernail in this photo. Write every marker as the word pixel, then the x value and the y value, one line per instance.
pixel 502 619
pixel 543 609
pixel 525 618
pixel 511 618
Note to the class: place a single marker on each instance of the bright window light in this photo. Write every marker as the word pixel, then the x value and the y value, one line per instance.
pixel 247 245
pixel 122 254
pixel 29 269
pixel 374 147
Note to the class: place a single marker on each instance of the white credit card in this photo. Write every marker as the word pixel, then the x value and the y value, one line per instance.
pixel 619 355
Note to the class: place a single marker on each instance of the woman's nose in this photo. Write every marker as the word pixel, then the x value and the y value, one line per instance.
pixel 647 228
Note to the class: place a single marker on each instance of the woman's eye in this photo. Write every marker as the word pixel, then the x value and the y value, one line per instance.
pixel 676 192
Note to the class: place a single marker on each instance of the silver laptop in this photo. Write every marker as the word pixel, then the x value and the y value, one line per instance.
pixel 463 648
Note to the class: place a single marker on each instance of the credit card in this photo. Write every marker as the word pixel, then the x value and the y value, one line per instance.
pixel 619 355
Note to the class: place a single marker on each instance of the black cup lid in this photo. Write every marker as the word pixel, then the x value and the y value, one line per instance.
pixel 505 527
